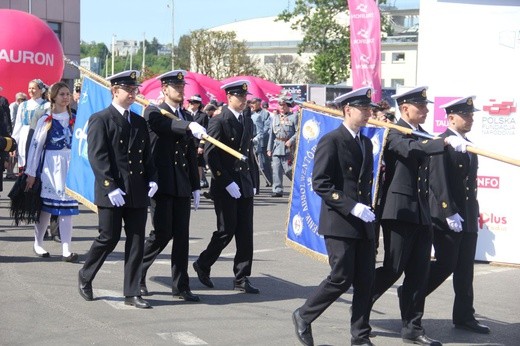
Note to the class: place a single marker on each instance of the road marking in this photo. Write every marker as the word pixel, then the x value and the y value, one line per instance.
pixel 112 298
pixel 232 254
pixel 184 338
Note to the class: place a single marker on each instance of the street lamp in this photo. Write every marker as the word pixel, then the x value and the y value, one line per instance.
pixel 113 51
pixel 173 35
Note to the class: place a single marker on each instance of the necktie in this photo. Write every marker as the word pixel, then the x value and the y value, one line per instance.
pixel 241 119
pixel 358 141
pixel 126 115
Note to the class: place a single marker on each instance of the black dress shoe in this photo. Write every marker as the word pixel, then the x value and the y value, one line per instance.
pixel 137 301
pixel 361 342
pixel 473 326
pixel 422 340
pixel 85 288
pixel 202 275
pixel 72 258
pixel 245 286
pixel 144 290
pixel 303 329
pixel 277 194
pixel 186 295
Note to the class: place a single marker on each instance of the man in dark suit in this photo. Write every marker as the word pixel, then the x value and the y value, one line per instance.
pixel 125 176
pixel 342 177
pixel 455 212
pixel 405 215
pixel 175 157
pixel 232 189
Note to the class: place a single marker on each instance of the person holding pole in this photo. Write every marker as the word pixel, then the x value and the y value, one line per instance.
pixel 175 156
pixel 232 188
pixel 405 216
pixel 455 212
pixel 342 177
pixel 125 177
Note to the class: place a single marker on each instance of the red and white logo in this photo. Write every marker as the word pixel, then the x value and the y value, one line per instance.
pixel 492 221
pixel 504 108
pixel 486 182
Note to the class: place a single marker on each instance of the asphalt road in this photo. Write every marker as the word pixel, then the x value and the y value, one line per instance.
pixel 40 303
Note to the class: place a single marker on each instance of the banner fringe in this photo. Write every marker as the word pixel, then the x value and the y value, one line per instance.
pixel 306 251
pixel 81 199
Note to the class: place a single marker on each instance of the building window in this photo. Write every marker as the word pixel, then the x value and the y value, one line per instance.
pixel 397 82
pixel 397 57
pixel 383 56
pixel 283 59
pixel 56 27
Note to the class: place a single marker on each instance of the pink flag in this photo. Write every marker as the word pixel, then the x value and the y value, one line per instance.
pixel 365 45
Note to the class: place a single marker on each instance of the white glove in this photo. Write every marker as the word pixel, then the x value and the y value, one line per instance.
pixel 116 197
pixel 233 190
pixel 455 222
pixel 197 130
pixel 196 199
pixel 254 190
pixel 153 188
pixel 363 212
pixel 458 144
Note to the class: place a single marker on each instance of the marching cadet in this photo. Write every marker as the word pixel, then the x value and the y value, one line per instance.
pixel 282 142
pixel 125 176
pixel 455 212
pixel 342 177
pixel 232 189
pixel 175 156
pixel 405 217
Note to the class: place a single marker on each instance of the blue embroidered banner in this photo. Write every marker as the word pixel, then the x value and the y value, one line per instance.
pixel 80 178
pixel 304 205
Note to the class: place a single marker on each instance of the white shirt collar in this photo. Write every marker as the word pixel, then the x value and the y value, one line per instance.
pixel 120 109
pixel 351 131
pixel 234 112
pixel 413 127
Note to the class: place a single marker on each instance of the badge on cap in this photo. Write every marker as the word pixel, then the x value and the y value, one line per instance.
pixel 244 86
pixel 444 205
pixel 180 76
pixel 469 102
pixel 335 196
pixel 369 93
pixel 106 183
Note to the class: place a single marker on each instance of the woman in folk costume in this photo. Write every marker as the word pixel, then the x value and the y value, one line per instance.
pixel 52 140
pixel 35 107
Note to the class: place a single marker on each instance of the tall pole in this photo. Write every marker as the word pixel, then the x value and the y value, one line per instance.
pixel 113 51
pixel 144 51
pixel 106 66
pixel 30 6
pixel 173 36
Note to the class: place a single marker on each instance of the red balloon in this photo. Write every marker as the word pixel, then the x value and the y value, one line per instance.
pixel 29 49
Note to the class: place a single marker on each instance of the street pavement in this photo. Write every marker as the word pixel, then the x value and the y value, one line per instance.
pixel 40 303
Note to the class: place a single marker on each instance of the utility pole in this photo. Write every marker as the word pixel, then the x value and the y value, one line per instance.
pixel 113 51
pixel 144 52
pixel 173 35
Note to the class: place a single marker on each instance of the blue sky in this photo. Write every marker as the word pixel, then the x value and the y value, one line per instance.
pixel 130 19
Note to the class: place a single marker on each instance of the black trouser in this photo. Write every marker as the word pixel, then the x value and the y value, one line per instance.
pixel 170 218
pixel 110 224
pixel 234 218
pixel 352 262
pixel 455 253
pixel 409 252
